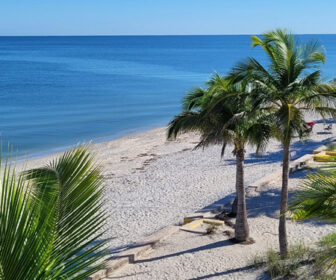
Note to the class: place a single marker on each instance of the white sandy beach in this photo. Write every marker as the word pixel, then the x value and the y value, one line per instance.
pixel 152 183
pixel 188 255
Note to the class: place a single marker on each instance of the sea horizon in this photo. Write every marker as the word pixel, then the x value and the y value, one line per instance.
pixel 57 91
pixel 150 35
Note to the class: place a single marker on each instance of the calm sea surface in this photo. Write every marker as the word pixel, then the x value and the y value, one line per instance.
pixel 59 91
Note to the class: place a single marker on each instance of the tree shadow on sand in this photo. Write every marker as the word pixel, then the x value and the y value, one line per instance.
pixel 218 244
pixel 249 268
pixel 298 149
pixel 267 203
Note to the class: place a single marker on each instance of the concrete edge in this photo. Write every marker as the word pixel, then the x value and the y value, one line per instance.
pixel 130 255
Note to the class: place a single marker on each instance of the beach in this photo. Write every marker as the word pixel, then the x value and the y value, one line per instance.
pixel 151 182
pixel 193 255
pixel 142 142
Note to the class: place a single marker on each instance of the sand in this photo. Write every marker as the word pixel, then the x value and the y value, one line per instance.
pixel 189 255
pixel 151 183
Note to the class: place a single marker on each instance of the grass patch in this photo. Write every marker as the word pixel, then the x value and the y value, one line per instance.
pixel 298 256
pixel 302 262
pixel 331 147
pixel 328 240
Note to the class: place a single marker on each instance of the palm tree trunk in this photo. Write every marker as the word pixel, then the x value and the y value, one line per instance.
pixel 234 206
pixel 283 203
pixel 241 227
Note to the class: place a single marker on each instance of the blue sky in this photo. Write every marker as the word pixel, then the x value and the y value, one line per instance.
pixel 147 17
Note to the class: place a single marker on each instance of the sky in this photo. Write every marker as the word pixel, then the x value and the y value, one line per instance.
pixel 164 17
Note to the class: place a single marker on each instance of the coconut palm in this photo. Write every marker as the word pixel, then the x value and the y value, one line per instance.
pixel 288 88
pixel 51 219
pixel 222 114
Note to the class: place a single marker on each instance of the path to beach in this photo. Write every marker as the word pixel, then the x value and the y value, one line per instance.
pixel 152 183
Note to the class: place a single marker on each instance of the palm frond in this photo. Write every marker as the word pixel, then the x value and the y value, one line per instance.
pixel 193 99
pixel 317 197
pixel 187 121
pixel 24 243
pixel 71 187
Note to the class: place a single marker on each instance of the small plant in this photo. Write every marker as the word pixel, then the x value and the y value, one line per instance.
pixel 298 256
pixel 302 262
pixel 328 240
pixel 331 147
pixel 326 257
pixel 258 261
pixel 211 229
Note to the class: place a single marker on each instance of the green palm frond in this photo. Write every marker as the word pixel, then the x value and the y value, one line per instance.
pixel 78 210
pixel 187 121
pixel 291 82
pixel 224 114
pixel 316 198
pixel 193 99
pixel 24 243
pixel 52 219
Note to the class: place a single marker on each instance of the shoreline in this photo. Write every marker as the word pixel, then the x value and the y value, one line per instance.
pixel 125 154
pixel 151 182
pixel 94 141
pixel 139 133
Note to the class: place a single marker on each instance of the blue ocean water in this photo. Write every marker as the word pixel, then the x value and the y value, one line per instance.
pixel 59 91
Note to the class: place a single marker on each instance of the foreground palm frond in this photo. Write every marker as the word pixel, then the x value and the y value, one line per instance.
pixel 317 197
pixel 51 219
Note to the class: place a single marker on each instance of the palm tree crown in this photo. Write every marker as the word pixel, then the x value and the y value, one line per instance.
pixel 222 113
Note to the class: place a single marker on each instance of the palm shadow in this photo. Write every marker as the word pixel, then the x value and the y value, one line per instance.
pixel 298 149
pixel 267 203
pixel 218 244
pixel 249 268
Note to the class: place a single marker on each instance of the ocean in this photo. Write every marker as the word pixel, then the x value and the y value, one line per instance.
pixel 56 92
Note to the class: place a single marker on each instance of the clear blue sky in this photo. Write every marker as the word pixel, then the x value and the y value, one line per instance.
pixel 137 17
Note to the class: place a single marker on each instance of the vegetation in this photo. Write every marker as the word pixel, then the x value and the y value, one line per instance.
pixel 223 114
pixel 287 89
pixel 51 219
pixel 289 268
pixel 301 261
pixel 317 199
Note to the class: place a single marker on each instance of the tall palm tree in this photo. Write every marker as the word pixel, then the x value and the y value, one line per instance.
pixel 288 88
pixel 51 219
pixel 222 114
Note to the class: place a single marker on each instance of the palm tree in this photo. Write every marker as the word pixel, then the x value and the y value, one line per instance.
pixel 51 219
pixel 288 88
pixel 222 114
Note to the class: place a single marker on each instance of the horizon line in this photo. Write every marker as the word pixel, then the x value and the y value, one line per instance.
pixel 148 35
